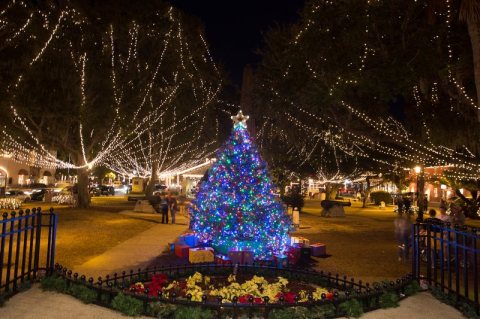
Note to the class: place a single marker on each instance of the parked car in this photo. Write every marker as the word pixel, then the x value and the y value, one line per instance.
pixel 102 190
pixel 69 190
pixel 37 186
pixel 19 194
pixel 38 194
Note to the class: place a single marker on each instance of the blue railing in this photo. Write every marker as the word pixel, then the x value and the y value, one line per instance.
pixel 21 254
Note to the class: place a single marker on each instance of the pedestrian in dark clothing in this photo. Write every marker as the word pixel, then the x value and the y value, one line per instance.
pixel 407 204
pixel 164 208
pixel 400 205
pixel 173 209
pixel 433 219
pixel 402 235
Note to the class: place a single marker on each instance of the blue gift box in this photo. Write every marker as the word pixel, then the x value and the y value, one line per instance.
pixel 281 260
pixel 189 239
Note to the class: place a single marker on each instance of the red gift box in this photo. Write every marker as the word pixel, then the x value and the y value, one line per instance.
pixel 222 260
pixel 318 249
pixel 241 257
pixel 293 254
pixel 181 250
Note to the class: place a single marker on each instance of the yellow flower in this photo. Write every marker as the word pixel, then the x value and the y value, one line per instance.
pixel 302 294
pixel 206 280
pixel 317 294
pixel 232 278
pixel 283 281
pixel 259 280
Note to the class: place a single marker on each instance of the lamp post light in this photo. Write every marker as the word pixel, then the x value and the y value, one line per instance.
pixel 420 195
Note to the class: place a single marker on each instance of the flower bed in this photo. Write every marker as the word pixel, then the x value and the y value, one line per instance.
pixel 10 203
pixel 242 289
pixel 206 291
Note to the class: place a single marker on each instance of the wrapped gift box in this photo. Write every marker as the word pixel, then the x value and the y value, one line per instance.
pixel 293 254
pixel 200 255
pixel 305 253
pixel 189 239
pixel 318 249
pixel 181 250
pixel 300 240
pixel 281 261
pixel 241 257
pixel 222 260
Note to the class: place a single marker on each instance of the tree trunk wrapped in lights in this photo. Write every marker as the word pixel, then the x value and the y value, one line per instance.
pixel 125 86
pixel 236 207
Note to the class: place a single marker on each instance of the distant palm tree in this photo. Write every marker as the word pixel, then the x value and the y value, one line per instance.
pixel 470 14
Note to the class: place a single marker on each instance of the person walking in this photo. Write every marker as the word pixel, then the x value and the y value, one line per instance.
pixel 400 204
pixel 173 208
pixel 407 204
pixel 443 215
pixel 164 208
pixel 402 236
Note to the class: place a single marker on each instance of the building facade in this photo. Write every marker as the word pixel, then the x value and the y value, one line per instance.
pixel 15 174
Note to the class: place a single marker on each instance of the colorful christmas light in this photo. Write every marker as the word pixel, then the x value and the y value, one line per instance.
pixel 236 207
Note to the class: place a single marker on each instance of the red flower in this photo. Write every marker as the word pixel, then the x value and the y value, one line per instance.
pixel 244 298
pixel 289 297
pixel 161 279
pixel 153 289
pixel 137 288
pixel 329 296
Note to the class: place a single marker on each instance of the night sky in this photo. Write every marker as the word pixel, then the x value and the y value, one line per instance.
pixel 234 27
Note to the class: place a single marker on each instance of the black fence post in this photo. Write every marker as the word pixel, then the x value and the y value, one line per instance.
pixel 2 247
pixel 454 253
pixel 38 230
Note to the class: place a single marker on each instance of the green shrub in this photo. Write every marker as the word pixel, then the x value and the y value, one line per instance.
pixel 83 293
pixel 193 313
pixel 352 308
pixel 412 288
pixel 317 312
pixel 381 196
pixel 161 310
pixel 54 283
pixel 389 300
pixel 447 298
pixel 2 300
pixel 468 311
pixel 294 198
pixel 127 305
pixel 322 312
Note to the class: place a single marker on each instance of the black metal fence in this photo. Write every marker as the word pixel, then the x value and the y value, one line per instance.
pixel 447 258
pixel 368 295
pixel 27 246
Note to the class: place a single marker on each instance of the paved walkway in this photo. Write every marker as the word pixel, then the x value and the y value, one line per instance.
pixel 35 304
pixel 138 252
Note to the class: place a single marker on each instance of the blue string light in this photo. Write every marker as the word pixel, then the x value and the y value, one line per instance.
pixel 235 208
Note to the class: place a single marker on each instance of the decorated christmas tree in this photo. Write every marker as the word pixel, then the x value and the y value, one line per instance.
pixel 235 207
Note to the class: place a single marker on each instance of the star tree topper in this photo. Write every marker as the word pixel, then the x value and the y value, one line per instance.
pixel 240 119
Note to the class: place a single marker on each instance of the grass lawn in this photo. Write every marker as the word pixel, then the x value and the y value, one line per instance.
pixel 360 245
pixel 85 233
